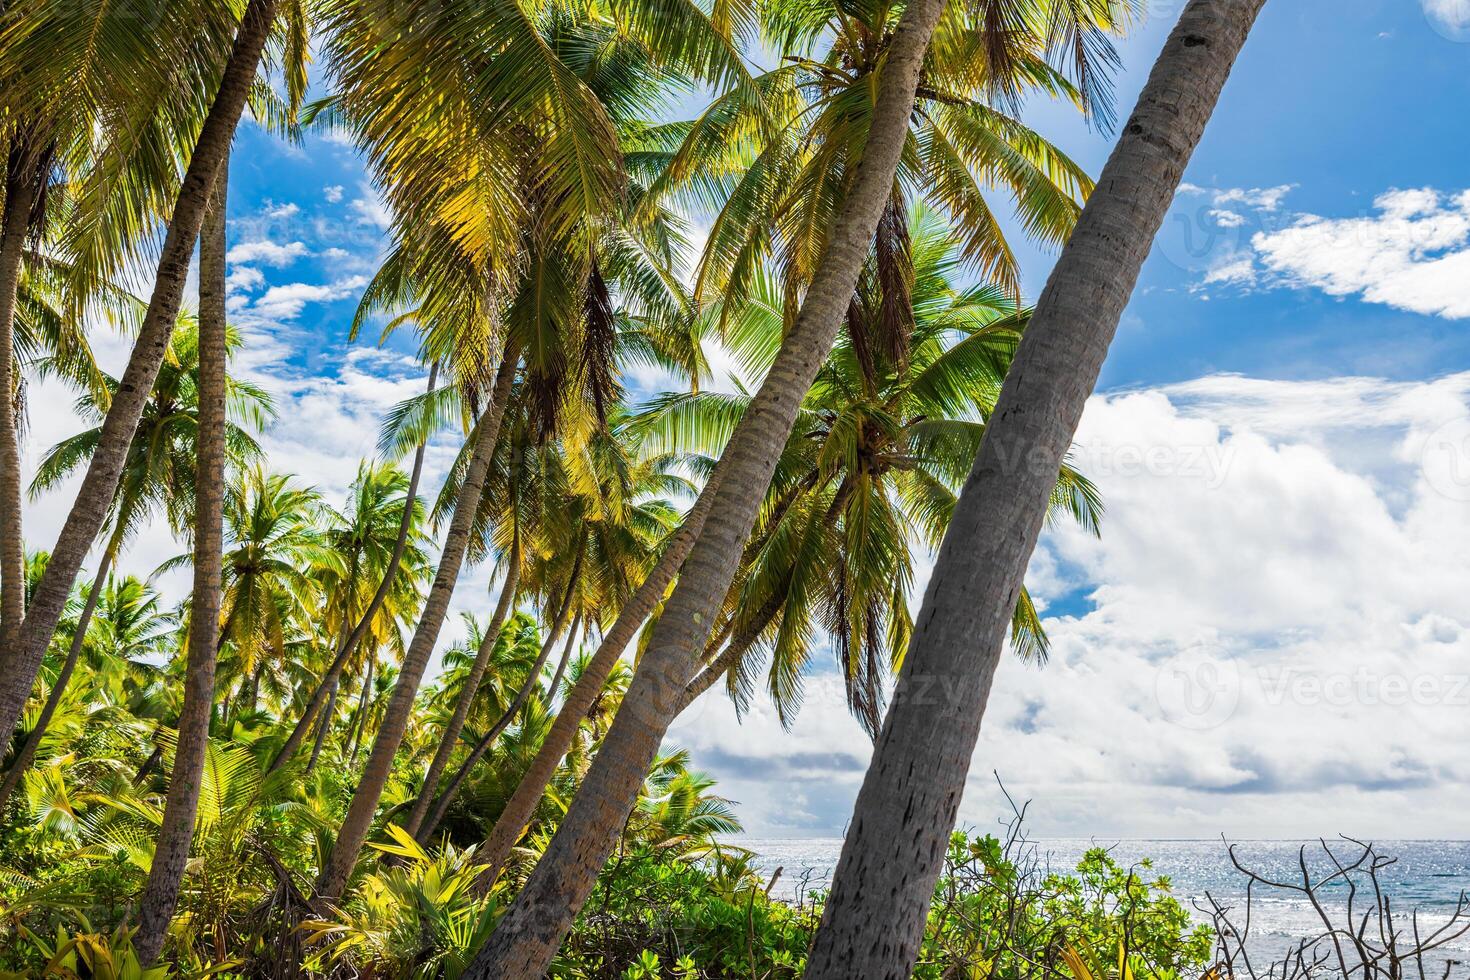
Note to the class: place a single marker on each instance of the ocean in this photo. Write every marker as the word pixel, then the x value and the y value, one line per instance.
pixel 1426 875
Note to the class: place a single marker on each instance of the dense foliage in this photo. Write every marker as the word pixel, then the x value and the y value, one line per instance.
pixel 292 767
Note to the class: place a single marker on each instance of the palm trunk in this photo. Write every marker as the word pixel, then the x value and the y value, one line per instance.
pixel 354 639
pixel 176 833
pixel 323 725
pixel 531 683
pixel 583 695
pixel 27 752
pixel 874 920
pixel 20 195
pixel 19 661
pixel 364 698
pixel 527 937
pixel 566 657
pixel 733 653
pixel 450 739
pixel 360 812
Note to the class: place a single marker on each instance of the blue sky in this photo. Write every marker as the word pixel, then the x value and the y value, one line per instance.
pixel 1276 436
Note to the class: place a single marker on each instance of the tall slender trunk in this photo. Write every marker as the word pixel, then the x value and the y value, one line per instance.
pixel 19 661
pixel 364 698
pixel 354 639
pixel 873 922
pixel 528 936
pixel 27 752
pixel 531 683
pixel 176 833
pixel 450 739
pixel 20 196
pixel 323 726
pixel 359 818
pixel 528 793
pixel 566 658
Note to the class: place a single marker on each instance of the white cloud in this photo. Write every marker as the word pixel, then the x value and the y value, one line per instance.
pixel 1413 253
pixel 268 252
pixel 1228 219
pixel 1233 270
pixel 281 211
pixel 244 278
pixel 371 210
pixel 1258 198
pixel 286 302
pixel 332 193
pixel 1291 536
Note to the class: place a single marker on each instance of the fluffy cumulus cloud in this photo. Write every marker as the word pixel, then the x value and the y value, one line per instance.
pixel 286 301
pixel 1270 639
pixel 1411 251
pixel 267 252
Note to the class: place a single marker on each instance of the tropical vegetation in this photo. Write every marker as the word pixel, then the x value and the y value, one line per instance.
pixel 301 764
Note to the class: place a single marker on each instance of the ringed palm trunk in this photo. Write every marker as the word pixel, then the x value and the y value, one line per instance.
pixel 528 936
pixel 28 751
pixel 450 739
pixel 21 659
pixel 176 832
pixel 326 689
pixel 359 818
pixel 532 682
pixel 20 195
pixel 874 919
pixel 492 854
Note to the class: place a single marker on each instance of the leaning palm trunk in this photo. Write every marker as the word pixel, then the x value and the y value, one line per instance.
pixel 20 660
pixel 450 739
pixel 176 833
pixel 359 818
pixel 20 196
pixel 528 936
pixel 364 700
pixel 583 695
pixel 874 920
pixel 28 751
pixel 425 832
pixel 326 689
pixel 323 725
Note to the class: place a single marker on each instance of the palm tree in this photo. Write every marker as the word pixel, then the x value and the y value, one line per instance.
pixel 159 475
pixel 874 920
pixel 531 930
pixel 94 107
pixel 532 188
pixel 272 572
pixel 366 537
pixel 410 516
pixel 789 180
pixel 882 444
pixel 21 656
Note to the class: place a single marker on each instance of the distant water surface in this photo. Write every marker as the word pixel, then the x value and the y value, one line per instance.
pixel 1428 875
